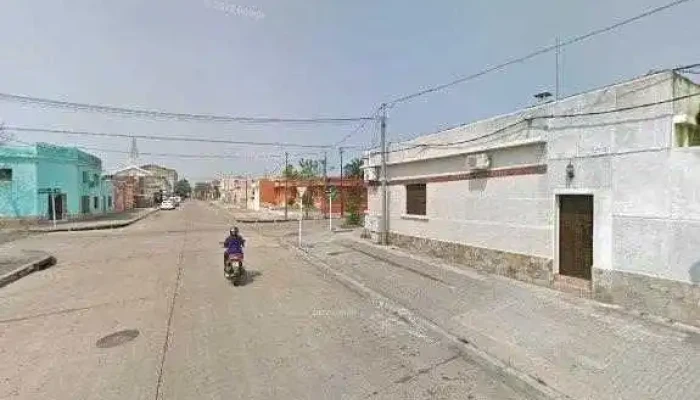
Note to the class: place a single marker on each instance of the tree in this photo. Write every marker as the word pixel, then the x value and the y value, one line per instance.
pixel 290 172
pixel 183 188
pixel 353 169
pixel 309 168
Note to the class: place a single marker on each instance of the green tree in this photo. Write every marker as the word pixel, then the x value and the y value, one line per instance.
pixel 309 168
pixel 353 169
pixel 290 172
pixel 183 188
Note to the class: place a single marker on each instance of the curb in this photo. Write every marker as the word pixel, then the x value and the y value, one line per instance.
pixel 259 221
pixel 27 269
pixel 532 386
pixel 111 225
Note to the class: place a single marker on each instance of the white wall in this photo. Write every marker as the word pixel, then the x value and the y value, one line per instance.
pixel 646 192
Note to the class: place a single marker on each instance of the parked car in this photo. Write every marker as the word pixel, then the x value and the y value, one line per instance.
pixel 167 205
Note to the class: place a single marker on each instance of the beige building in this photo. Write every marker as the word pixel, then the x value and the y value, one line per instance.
pixel 597 193
pixel 163 178
pixel 236 190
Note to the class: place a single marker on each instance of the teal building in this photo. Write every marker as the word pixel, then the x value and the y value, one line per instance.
pixel 35 180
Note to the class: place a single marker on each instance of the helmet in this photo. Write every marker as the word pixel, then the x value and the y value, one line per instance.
pixel 234 230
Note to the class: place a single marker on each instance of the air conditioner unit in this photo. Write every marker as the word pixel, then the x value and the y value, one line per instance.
pixel 478 161
pixel 371 174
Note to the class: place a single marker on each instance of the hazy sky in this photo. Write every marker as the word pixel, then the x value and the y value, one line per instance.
pixel 307 58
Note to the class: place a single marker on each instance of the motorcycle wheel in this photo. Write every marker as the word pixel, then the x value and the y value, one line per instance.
pixel 239 275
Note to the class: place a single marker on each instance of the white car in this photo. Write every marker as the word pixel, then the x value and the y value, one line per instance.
pixel 167 205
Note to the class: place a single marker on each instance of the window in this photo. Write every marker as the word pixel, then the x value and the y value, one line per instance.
pixel 109 201
pixel 96 200
pixel 416 199
pixel 5 174
pixel 86 177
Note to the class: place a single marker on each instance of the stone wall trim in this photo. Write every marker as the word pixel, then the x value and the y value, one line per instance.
pixel 526 268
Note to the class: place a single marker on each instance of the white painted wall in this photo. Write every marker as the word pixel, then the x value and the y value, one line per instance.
pixel 646 191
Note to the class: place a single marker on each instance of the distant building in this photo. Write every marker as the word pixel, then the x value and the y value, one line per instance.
pixel 271 193
pixel 596 193
pixel 236 190
pixel 36 180
pixel 164 178
pixel 130 189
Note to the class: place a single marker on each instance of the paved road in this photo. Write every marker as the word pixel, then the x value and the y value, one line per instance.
pixel 290 333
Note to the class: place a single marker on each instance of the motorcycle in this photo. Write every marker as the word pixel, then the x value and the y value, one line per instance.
pixel 234 271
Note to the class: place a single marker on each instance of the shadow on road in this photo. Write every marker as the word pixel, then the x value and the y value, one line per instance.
pixel 251 276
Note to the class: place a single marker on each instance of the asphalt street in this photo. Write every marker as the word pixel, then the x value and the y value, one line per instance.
pixel 179 330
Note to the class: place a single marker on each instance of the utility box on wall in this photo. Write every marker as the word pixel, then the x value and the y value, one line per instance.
pixel 371 174
pixel 478 161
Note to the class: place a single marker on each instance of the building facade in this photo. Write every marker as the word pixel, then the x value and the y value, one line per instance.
pixel 162 179
pixel 271 193
pixel 598 192
pixel 236 190
pixel 35 180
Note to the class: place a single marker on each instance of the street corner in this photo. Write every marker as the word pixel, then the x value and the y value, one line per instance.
pixel 21 263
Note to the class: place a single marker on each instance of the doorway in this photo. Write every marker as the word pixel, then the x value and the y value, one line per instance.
pixel 576 235
pixel 60 200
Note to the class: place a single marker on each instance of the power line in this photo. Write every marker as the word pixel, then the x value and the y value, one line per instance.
pixel 359 128
pixel 135 112
pixel 162 138
pixel 532 118
pixel 178 155
pixel 539 52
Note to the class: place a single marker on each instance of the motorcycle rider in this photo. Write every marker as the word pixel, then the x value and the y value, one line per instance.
pixel 234 244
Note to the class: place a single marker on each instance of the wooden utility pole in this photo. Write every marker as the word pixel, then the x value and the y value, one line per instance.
pixel 286 177
pixel 342 192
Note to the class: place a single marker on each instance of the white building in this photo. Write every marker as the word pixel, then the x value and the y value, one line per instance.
pixel 599 191
pixel 236 190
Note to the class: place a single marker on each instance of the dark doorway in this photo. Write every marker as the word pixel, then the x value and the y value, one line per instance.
pixel 85 204
pixel 576 235
pixel 60 201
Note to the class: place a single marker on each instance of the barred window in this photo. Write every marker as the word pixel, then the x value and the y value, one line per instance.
pixel 416 199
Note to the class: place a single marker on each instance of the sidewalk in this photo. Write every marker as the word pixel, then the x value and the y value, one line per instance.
pixel 579 348
pixel 16 263
pixel 106 221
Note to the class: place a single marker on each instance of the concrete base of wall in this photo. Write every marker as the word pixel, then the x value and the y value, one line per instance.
pixel 522 267
pixel 678 301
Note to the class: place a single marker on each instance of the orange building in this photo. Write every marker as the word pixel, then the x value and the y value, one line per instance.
pixel 272 192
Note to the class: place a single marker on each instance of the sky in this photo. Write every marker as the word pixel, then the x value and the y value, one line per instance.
pixel 307 59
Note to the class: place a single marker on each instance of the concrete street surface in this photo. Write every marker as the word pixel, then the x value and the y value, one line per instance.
pixel 578 347
pixel 145 313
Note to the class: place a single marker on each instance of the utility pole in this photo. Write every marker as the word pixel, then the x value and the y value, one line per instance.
pixel 286 177
pixel 342 191
pixel 325 178
pixel 383 223
pixel 556 91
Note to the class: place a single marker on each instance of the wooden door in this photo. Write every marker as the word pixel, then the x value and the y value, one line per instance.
pixel 576 235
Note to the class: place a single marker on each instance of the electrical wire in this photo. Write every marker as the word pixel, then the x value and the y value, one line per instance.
pixel 360 127
pixel 162 138
pixel 532 118
pixel 536 53
pixel 135 112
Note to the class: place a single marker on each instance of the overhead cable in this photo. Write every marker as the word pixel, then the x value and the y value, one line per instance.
pixel 136 112
pixel 539 52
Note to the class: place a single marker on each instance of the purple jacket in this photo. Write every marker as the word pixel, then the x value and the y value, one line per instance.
pixel 234 244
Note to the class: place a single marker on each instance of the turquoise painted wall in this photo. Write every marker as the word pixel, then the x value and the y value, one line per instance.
pixel 18 197
pixel 47 166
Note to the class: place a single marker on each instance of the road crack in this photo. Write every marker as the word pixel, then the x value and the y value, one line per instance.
pixel 171 312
